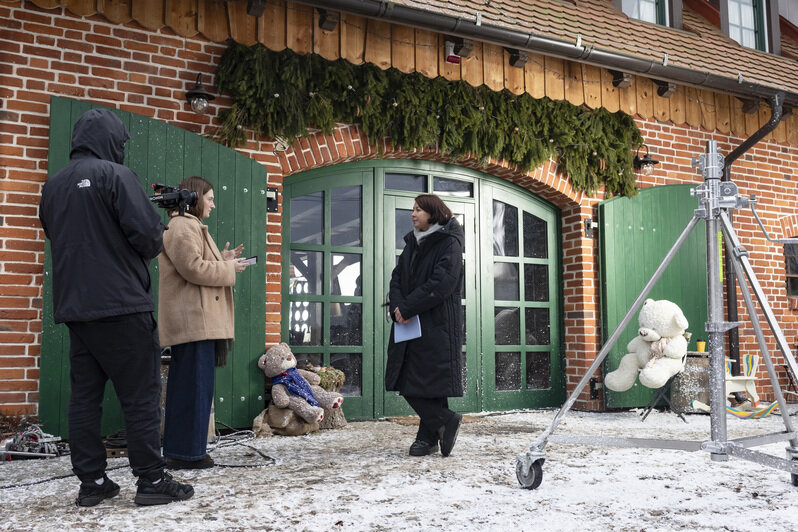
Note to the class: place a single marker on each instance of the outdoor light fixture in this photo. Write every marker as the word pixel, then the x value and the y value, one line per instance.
pixel 449 53
pixel 198 97
pixel 644 163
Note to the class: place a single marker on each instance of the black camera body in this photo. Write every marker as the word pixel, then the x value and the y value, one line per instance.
pixel 167 197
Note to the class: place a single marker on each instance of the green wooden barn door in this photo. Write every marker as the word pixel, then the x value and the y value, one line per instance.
pixel 161 153
pixel 634 236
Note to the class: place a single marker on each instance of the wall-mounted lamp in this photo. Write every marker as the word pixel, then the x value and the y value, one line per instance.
pixel 198 97
pixel 645 163
pixel 451 57
pixel 271 199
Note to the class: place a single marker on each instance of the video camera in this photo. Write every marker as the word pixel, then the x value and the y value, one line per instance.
pixel 167 197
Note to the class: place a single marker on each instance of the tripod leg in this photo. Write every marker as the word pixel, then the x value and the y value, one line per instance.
pixel 733 244
pixel 540 442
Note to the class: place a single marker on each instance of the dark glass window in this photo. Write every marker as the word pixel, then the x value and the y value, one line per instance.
pixel 409 182
pixel 453 187
pixel 791 268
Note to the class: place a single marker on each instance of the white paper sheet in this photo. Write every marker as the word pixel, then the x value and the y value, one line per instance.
pixel 403 332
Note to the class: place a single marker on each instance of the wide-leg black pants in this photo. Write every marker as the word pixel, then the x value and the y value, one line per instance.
pixel 433 412
pixel 126 350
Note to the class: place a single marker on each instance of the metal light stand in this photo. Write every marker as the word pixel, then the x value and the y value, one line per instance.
pixel 715 198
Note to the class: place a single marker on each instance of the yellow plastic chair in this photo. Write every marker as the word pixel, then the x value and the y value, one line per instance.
pixel 746 380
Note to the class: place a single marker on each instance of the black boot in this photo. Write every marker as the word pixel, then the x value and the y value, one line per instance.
pixel 423 448
pixel 92 494
pixel 162 491
pixel 448 434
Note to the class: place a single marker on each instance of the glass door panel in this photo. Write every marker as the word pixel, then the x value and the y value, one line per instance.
pixel 523 300
pixel 328 288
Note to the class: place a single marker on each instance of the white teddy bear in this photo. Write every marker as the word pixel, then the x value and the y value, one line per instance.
pixel 657 353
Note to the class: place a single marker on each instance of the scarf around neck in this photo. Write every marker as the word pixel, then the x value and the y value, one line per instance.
pixel 296 385
pixel 423 234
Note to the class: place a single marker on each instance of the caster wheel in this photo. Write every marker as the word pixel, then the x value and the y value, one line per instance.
pixel 794 478
pixel 529 480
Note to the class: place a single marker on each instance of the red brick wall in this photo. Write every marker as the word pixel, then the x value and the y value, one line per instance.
pixel 52 52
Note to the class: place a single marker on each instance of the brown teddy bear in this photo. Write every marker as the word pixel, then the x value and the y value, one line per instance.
pixel 296 389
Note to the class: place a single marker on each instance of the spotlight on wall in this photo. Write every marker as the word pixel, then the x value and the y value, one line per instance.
pixel 451 56
pixel 198 97
pixel 645 163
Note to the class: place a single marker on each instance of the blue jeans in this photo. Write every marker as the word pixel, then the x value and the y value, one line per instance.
pixel 189 395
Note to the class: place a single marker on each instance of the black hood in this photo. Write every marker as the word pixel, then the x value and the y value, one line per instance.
pixel 99 133
pixel 453 227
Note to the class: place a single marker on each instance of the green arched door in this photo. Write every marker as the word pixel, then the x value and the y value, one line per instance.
pixel 342 233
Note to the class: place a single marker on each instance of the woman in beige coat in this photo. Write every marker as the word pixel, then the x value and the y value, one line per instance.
pixel 195 310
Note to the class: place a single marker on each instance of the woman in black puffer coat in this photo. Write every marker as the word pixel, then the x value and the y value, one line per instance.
pixel 426 282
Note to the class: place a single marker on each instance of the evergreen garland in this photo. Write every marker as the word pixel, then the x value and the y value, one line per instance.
pixel 283 94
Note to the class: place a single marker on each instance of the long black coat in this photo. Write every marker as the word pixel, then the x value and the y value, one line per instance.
pixel 103 230
pixel 427 282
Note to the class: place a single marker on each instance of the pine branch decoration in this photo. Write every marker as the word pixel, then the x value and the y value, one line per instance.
pixel 285 94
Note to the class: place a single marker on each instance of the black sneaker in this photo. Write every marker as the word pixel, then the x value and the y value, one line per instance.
pixel 423 448
pixel 448 434
pixel 163 491
pixel 205 463
pixel 92 494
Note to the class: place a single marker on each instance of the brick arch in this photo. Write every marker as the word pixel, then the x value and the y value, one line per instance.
pixel 789 226
pixel 348 143
pixel 580 279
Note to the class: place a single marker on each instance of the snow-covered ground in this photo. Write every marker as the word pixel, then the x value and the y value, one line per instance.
pixel 361 478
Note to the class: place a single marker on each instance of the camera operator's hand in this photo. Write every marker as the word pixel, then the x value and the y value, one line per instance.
pixel 240 265
pixel 230 254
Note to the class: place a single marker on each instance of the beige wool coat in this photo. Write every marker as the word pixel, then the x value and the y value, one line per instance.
pixel 195 293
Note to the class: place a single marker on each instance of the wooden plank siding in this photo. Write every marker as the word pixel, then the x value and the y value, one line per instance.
pixel 286 24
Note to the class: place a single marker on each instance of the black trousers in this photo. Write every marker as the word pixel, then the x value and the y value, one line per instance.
pixel 126 350
pixel 433 412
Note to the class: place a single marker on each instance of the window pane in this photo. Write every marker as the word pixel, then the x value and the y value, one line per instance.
pixel 536 245
pixel 648 10
pixel 345 274
pixel 734 13
pixel 505 281
pixel 792 286
pixel 536 282
pixel 346 323
pixel 791 258
pixel 307 219
pixel 305 323
pixel 352 367
pixel 453 187
pixel 537 326
pixel 345 212
pixel 306 273
pixel 411 182
pixel 404 224
pixel 505 230
pixel 303 359
pixel 508 371
pixel 538 375
pixel 507 324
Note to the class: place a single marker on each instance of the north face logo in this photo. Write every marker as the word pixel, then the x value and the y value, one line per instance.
pixel 85 183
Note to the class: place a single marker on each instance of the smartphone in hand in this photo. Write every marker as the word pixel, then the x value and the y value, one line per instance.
pixel 250 260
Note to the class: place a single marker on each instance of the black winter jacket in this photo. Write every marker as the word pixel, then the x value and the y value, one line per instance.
pixel 427 282
pixel 103 230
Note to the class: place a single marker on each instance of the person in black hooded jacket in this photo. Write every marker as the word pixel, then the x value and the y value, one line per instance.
pixel 103 232
pixel 426 283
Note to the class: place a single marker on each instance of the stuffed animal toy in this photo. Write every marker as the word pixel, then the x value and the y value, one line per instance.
pixel 296 389
pixel 657 352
